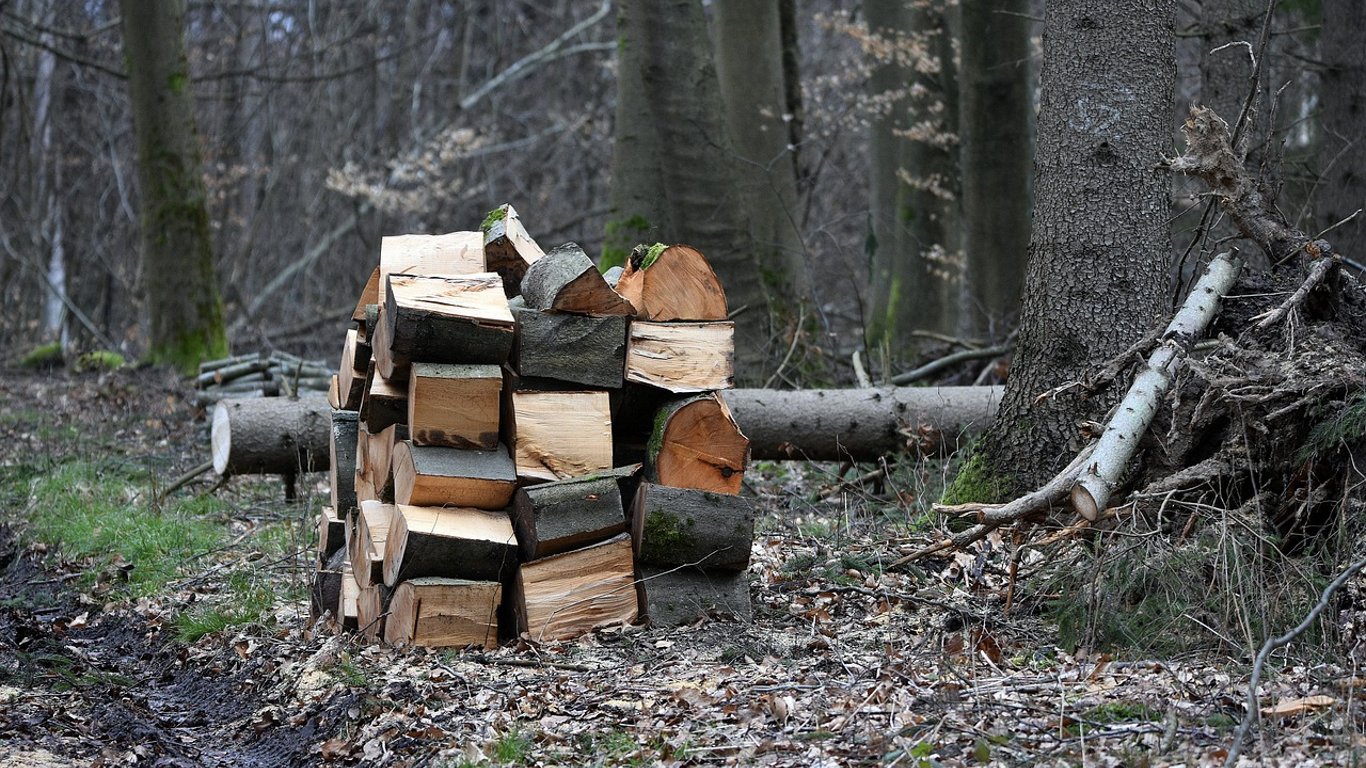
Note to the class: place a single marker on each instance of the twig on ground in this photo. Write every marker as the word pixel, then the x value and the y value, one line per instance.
pixel 934 366
pixel 1240 736
pixel 185 479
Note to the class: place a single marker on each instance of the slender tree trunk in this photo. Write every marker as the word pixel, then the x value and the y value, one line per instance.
pixel 185 316
pixel 673 119
pixel 1100 248
pixel 1343 151
pixel 47 207
pixel 997 126
pixel 916 262
pixel 749 64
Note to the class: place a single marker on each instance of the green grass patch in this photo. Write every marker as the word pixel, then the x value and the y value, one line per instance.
pixel 514 747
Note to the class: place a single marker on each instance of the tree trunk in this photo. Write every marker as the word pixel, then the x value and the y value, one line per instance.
pixel 1342 155
pixel 687 193
pixel 914 184
pixel 997 119
pixel 754 87
pixel 185 315
pixel 1100 246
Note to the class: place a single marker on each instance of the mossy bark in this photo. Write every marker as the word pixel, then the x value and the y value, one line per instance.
pixel 184 312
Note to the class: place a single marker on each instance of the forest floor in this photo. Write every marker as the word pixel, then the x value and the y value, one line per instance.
pixel 173 631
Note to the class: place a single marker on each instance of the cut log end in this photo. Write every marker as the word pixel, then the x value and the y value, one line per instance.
pixel 1084 502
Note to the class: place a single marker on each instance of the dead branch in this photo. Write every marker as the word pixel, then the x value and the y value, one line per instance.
pixel 1317 271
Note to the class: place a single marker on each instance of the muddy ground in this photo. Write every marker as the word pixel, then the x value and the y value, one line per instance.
pixel 844 663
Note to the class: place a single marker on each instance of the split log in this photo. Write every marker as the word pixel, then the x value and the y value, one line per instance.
pixel 560 516
pixel 346 600
pixel 440 613
pixel 327 583
pixel 345 425
pixel 351 374
pixel 678 596
pixel 369 296
pixel 454 405
pixel 331 534
pixel 560 435
pixel 568 594
pixel 457 542
pixel 682 357
pixel 1135 413
pixel 379 461
pixel 566 280
pixel 273 435
pixel 365 330
pixel 368 538
pixel 860 424
pixel 432 476
pixel 385 402
pixel 455 253
pixel 372 608
pixel 508 249
pixel 672 283
pixel 697 444
pixel 681 526
pixel 575 348
pixel 445 320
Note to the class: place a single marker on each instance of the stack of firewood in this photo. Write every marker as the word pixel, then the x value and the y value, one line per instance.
pixel 259 375
pixel 520 447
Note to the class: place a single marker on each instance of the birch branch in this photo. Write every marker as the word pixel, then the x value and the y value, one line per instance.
pixel 1135 413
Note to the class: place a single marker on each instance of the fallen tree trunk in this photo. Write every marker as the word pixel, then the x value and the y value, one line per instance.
pixel 272 435
pixel 859 424
pixel 814 424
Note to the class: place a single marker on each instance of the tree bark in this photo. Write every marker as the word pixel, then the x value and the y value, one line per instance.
pixel 688 193
pixel 1342 156
pixel 750 65
pixel 1100 245
pixel 997 119
pixel 185 315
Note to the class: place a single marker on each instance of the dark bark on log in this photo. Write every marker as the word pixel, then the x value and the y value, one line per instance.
pixel 427 331
pixel 327 584
pixel 436 476
pixel 678 596
pixel 574 348
pixel 560 516
pixel 454 543
pixel 343 468
pixel 679 526
pixel 271 436
pixel 566 280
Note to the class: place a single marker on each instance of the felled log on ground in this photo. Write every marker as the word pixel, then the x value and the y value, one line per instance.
pixel 860 424
pixel 275 435
pixel 436 613
pixel 685 527
pixel 815 424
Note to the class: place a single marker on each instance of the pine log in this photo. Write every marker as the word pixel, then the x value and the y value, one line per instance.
pixel 372 608
pixel 860 424
pixel 369 537
pixel 456 542
pixel 327 583
pixel 677 596
pixel 672 283
pixel 682 357
pixel 369 296
pixel 560 435
pixel 508 249
pixel 566 280
pixel 351 374
pixel 440 613
pixel 455 253
pixel 385 402
pixel 575 348
pixel 346 600
pixel 682 526
pixel 454 405
pixel 342 470
pixel 273 435
pixel 331 534
pixel 560 516
pixel 445 320
pixel 697 444
pixel 568 594
pixel 432 476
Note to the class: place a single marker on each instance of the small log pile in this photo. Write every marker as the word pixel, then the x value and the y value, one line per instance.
pixel 260 375
pixel 519 448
